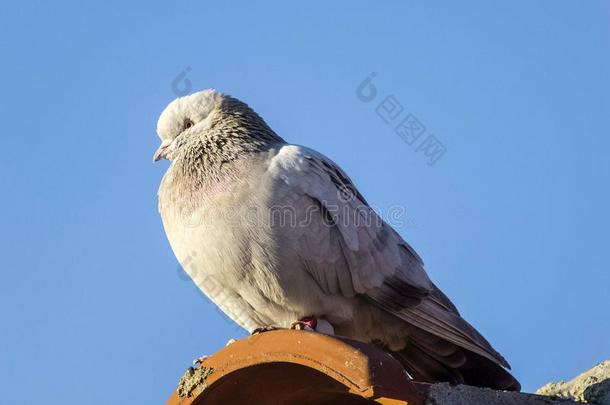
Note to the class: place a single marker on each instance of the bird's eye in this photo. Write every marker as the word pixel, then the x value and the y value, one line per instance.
pixel 188 123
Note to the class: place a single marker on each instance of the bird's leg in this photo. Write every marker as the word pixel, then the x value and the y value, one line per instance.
pixel 307 323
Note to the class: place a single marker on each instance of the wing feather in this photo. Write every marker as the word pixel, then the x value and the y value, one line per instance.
pixel 372 259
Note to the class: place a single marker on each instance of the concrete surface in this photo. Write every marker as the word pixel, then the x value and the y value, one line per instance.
pixel 444 394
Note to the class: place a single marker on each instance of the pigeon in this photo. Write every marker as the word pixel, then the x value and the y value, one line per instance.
pixel 278 236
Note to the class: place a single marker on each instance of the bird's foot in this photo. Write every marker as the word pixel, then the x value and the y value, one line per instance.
pixel 262 329
pixel 308 323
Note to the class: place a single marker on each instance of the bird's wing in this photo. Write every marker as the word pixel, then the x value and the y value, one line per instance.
pixel 375 261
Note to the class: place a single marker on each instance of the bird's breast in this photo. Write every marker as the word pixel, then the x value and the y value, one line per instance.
pixel 218 231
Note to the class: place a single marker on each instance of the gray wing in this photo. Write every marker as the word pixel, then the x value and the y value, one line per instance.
pixel 381 266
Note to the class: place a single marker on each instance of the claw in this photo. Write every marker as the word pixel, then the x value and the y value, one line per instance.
pixel 262 329
pixel 308 323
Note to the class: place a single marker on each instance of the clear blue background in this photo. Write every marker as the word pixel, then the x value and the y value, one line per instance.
pixel 512 222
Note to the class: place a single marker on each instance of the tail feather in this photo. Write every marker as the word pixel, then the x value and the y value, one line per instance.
pixel 428 358
pixel 425 368
pixel 482 372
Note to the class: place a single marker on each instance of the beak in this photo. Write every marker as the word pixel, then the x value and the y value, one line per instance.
pixel 162 151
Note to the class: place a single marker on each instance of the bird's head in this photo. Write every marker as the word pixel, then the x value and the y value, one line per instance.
pixel 185 117
pixel 211 126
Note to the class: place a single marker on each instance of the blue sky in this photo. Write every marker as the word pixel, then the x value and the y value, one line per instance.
pixel 512 221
